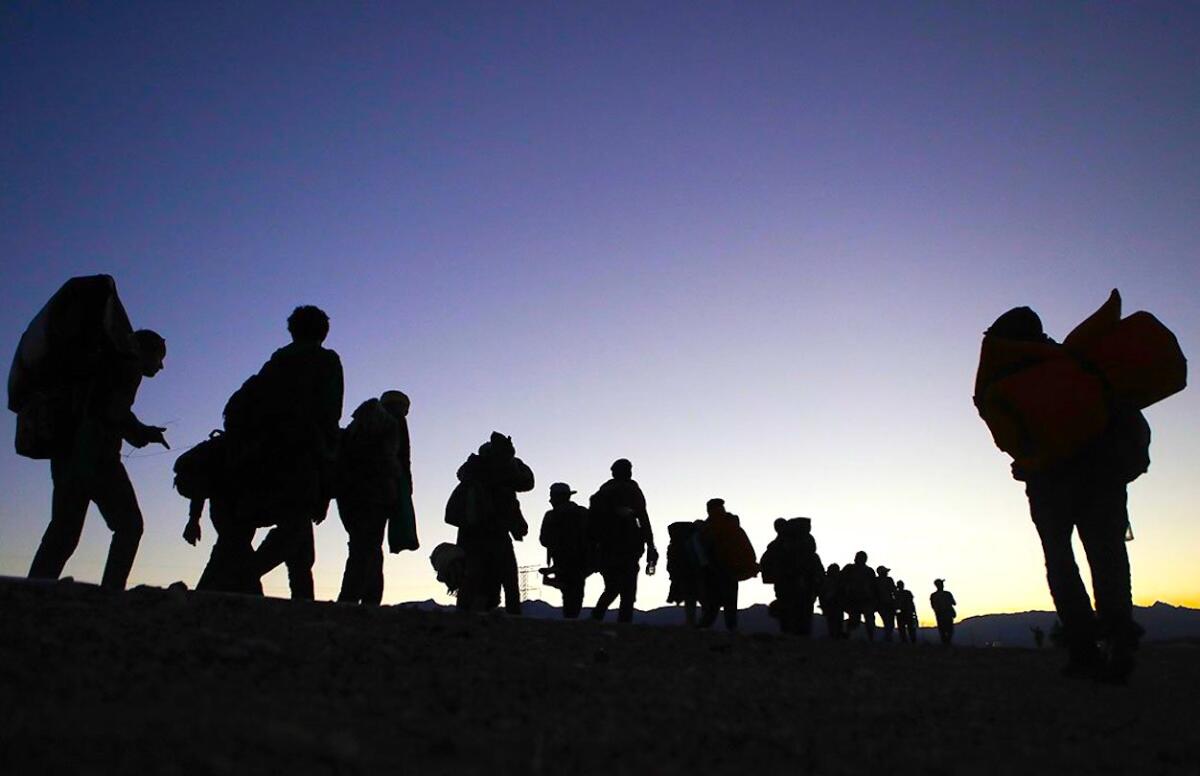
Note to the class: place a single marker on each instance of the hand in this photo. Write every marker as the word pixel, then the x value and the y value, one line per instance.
pixel 147 435
pixel 652 555
pixel 191 532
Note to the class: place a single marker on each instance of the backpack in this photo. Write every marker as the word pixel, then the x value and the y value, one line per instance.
pixel 82 325
pixel 198 470
pixel 468 505
pixel 732 547
pixel 44 425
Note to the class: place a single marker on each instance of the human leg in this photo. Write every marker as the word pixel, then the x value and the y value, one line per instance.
pixel 1052 508
pixel 68 507
pixel 117 502
pixel 628 594
pixel 572 594
pixel 608 595
pixel 731 604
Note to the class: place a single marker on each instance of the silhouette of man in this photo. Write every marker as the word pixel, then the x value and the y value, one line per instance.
pixel 906 613
pixel 832 602
pixel 783 566
pixel 792 565
pixel 567 541
pixel 488 515
pixel 720 574
pixel 942 602
pixel 858 586
pixel 374 483
pixel 89 469
pixel 812 576
pixel 230 563
pixel 684 564
pixel 885 594
pixel 1086 492
pixel 284 424
pixel 622 531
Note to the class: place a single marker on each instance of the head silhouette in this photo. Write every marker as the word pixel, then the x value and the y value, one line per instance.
pixel 502 445
pixel 780 526
pixel 900 585
pixel 939 583
pixel 715 506
pixel 1019 323
pixel 860 557
pixel 151 350
pixel 396 403
pixel 308 324
pixel 622 469
pixel 560 493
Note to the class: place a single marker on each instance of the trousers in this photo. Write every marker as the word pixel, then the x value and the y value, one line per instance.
pixel 80 480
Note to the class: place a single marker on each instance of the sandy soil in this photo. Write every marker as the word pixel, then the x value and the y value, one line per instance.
pixel 171 682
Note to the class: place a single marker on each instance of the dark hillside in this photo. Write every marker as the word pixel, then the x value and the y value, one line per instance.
pixel 156 681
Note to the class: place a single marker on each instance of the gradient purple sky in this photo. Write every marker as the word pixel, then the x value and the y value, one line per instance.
pixel 750 246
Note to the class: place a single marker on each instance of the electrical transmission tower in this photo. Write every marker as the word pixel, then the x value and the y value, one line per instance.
pixel 530 581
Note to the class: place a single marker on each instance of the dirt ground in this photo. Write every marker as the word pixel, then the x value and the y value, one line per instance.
pixel 171 682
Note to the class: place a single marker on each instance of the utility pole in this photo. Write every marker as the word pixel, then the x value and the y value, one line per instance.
pixel 528 577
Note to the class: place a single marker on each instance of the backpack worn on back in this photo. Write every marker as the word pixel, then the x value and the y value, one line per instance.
pixel 198 470
pixel 80 327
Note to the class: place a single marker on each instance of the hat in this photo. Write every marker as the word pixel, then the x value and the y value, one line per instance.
pixel 939 581
pixel 561 489
pixel 714 502
pixel 621 463
pixel 882 570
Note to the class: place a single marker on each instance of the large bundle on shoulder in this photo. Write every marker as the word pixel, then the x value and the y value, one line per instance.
pixel 1045 402
pixel 731 547
pixel 80 328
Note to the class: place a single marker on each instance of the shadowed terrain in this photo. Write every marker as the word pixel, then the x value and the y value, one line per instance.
pixel 167 681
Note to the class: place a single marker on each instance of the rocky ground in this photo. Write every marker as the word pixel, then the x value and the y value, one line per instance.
pixel 155 681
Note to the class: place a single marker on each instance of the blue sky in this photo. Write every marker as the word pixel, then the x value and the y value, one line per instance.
pixel 751 247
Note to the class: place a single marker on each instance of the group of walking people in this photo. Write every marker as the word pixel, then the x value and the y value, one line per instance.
pixel 1069 415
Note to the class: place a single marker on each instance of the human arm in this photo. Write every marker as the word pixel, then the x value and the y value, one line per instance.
pixel 644 526
pixel 117 389
pixel 191 531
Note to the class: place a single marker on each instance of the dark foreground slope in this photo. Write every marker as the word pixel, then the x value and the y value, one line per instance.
pixel 156 681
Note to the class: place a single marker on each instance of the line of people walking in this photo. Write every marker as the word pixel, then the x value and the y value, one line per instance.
pixel 1069 415
pixel 281 457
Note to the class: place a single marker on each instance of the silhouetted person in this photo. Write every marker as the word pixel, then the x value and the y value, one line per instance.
pixel 622 532
pixel 792 565
pixel 859 597
pixel 374 488
pixel 202 473
pixel 730 559
pixel 485 508
pixel 87 468
pixel 1073 483
pixel 684 565
pixel 566 536
pixel 885 596
pixel 942 602
pixel 832 602
pixel 813 575
pixel 781 568
pixel 906 613
pixel 283 425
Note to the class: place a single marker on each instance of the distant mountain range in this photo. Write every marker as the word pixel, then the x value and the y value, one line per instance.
pixel 1163 622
